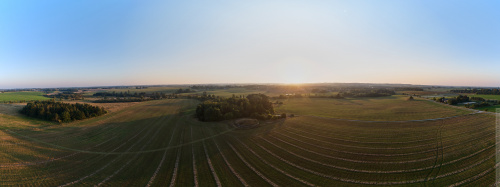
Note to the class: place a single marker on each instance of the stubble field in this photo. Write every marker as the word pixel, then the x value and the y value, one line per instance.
pixel 159 143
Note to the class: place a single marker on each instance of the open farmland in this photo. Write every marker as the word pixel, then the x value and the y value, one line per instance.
pixel 392 108
pixel 173 89
pixel 492 108
pixel 495 97
pixel 159 143
pixel 21 96
pixel 230 91
pixel 165 89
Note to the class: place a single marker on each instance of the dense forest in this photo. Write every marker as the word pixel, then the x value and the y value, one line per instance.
pixel 254 105
pixel 61 112
pixel 478 91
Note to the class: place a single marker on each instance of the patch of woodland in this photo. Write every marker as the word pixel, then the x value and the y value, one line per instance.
pixel 257 106
pixel 61 112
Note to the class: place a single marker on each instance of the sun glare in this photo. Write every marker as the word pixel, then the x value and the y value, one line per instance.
pixel 294 80
pixel 294 71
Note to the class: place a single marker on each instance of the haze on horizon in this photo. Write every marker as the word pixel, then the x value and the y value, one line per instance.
pixel 115 42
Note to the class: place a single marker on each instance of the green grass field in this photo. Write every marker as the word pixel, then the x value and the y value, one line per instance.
pixel 159 143
pixel 19 96
pixel 495 108
pixel 496 97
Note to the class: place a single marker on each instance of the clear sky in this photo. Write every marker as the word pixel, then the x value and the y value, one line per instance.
pixel 58 43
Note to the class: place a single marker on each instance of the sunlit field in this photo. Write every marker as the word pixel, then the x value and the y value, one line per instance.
pixel 496 97
pixel 159 143
pixel 24 96
pixel 393 108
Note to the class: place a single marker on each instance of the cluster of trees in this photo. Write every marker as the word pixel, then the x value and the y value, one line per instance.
pixel 115 97
pixel 477 99
pixel 121 100
pixel 66 95
pixel 480 102
pixel 484 91
pixel 338 96
pixel 454 100
pixel 366 92
pixel 213 87
pixel 18 101
pixel 408 89
pixel 254 105
pixel 61 112
pixel 205 96
pixel 121 94
pixel 187 90
pixel 291 96
pixel 317 90
pixel 69 90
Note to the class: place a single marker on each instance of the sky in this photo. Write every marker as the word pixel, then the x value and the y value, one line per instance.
pixel 77 43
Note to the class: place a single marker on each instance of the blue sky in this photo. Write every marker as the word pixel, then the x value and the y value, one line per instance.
pixel 58 43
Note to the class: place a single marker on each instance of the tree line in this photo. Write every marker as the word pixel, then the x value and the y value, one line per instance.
pixel 66 95
pixel 291 96
pixel 483 91
pixel 213 87
pixel 367 92
pixel 187 90
pixel 120 94
pixel 480 102
pixel 408 89
pixel 254 106
pixel 61 112
pixel 353 92
pixel 18 101
pixel 115 97
pixel 121 100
